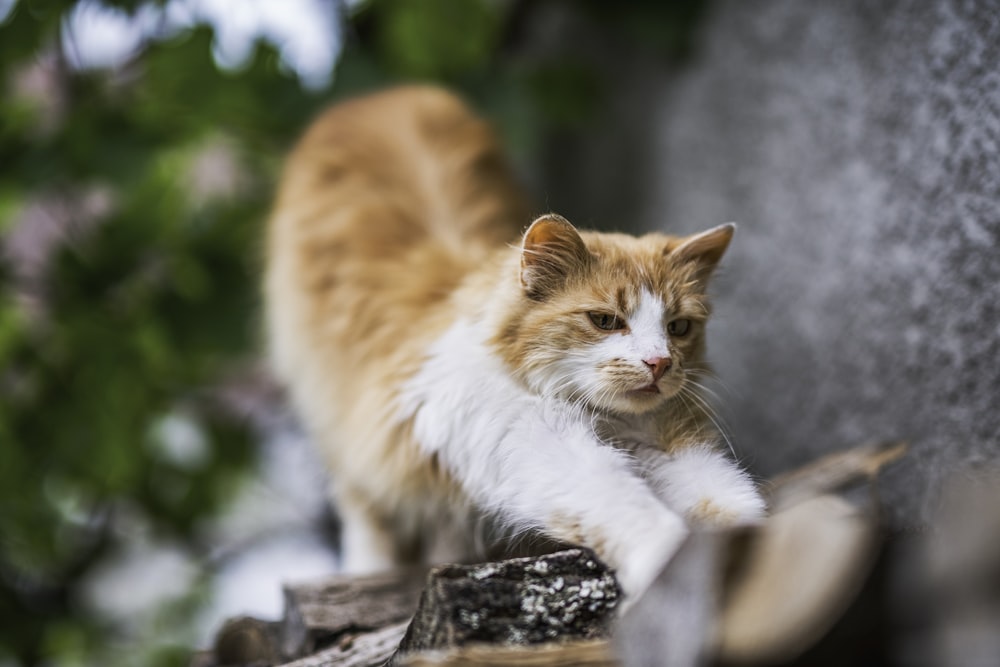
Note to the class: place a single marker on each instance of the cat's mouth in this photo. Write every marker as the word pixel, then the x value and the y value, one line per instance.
pixel 648 389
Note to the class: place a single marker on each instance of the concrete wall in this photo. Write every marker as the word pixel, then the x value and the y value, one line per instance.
pixel 858 146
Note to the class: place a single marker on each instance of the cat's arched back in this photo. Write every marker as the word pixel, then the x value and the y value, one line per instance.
pixel 387 202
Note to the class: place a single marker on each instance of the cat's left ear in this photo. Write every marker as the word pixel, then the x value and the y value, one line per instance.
pixel 550 251
pixel 704 249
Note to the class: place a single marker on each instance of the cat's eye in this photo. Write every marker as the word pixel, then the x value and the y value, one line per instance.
pixel 679 327
pixel 606 321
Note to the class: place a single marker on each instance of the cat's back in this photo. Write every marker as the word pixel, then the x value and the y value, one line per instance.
pixel 387 202
pixel 393 169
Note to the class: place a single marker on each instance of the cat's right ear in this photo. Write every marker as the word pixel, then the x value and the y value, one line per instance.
pixel 704 250
pixel 551 250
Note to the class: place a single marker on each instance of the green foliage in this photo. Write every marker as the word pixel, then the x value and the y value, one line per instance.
pixel 149 303
pixel 436 39
pixel 149 307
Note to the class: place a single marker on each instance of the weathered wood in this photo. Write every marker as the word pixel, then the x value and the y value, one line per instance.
pixel 800 569
pixel 794 574
pixel 247 641
pixel 368 649
pixel 584 653
pixel 803 567
pixel 318 614
pixel 833 473
pixel 566 595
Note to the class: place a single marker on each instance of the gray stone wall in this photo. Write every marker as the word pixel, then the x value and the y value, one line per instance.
pixel 857 143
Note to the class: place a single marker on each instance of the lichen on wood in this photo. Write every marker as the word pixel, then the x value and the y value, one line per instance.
pixel 522 601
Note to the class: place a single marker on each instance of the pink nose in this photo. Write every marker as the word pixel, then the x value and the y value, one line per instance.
pixel 658 366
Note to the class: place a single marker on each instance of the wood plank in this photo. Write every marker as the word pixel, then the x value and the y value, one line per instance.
pixel 350 621
pixel 586 653
pixel 833 473
pixel 319 613
pixel 565 595
pixel 369 649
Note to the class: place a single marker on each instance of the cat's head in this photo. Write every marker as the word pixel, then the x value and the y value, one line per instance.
pixel 611 321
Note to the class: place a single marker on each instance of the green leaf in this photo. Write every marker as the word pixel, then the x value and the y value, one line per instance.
pixel 438 39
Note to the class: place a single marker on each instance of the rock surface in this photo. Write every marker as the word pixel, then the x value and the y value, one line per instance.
pixel 857 145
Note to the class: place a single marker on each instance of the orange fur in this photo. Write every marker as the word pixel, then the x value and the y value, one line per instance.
pixel 396 214
pixel 386 204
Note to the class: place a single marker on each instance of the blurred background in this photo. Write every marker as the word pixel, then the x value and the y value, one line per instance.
pixel 152 482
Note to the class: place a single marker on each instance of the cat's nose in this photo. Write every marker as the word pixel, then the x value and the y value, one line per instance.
pixel 658 366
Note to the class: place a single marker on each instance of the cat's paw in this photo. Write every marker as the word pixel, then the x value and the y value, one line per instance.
pixel 735 507
pixel 708 489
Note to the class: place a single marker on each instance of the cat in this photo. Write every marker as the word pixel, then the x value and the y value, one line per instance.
pixel 451 367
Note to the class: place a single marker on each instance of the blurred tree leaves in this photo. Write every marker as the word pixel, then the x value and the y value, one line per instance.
pixel 435 39
pixel 116 338
pixel 141 310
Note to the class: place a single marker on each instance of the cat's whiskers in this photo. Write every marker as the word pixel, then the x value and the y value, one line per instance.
pixel 566 382
pixel 715 380
pixel 600 396
pixel 691 410
pixel 552 385
pixel 709 412
pixel 706 389
pixel 691 382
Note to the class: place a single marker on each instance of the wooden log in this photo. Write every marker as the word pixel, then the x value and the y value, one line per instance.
pixel 802 568
pixel 763 594
pixel 319 614
pixel 246 641
pixel 584 653
pixel 565 595
pixel 366 649
pixel 832 473
pixel 794 574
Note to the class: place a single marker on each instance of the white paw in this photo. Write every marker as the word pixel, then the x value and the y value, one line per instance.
pixel 708 489
pixel 743 507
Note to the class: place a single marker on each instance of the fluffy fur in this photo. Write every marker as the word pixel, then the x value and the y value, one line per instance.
pixel 452 368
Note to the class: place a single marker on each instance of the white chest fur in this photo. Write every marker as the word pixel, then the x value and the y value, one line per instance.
pixel 536 462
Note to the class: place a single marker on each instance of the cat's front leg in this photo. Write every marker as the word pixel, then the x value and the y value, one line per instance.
pixel 703 485
pixel 366 543
pixel 556 477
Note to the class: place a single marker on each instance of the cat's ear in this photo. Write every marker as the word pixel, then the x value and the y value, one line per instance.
pixel 551 250
pixel 704 249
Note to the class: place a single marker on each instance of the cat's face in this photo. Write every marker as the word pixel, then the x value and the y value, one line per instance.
pixel 611 321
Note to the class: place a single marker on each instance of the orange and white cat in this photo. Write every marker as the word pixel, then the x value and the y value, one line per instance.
pixel 451 368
